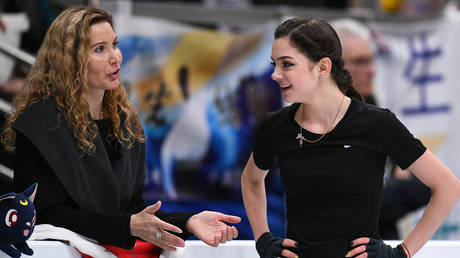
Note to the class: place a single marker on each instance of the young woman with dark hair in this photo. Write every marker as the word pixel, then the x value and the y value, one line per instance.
pixel 331 149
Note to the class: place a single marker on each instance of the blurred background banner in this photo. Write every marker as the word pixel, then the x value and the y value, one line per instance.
pixel 418 78
pixel 200 94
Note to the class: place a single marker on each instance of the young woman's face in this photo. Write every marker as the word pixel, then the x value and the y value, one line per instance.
pixel 105 58
pixel 294 72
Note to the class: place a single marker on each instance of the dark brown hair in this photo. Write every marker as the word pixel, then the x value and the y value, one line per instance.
pixel 316 39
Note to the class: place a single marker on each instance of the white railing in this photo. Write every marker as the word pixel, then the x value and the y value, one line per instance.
pixel 233 249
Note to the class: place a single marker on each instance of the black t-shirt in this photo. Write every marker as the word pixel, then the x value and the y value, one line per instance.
pixel 333 187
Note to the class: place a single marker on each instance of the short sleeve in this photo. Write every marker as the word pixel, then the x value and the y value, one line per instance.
pixel 264 156
pixel 398 143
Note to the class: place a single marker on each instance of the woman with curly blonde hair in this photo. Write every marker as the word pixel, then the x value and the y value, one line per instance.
pixel 75 132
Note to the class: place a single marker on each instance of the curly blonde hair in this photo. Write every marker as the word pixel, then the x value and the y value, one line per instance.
pixel 60 71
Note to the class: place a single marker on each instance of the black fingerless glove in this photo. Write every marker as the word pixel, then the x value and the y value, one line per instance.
pixel 378 249
pixel 269 246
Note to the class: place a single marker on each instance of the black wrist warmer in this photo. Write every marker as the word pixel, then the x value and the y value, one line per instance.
pixel 378 249
pixel 269 246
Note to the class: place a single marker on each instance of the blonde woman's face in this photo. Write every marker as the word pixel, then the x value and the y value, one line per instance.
pixel 105 58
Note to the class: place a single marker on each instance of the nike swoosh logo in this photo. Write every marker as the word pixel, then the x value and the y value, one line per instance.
pixel 346 146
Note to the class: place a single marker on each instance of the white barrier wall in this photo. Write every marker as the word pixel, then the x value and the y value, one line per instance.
pixel 233 249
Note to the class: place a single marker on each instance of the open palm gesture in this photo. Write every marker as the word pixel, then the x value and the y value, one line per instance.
pixel 211 227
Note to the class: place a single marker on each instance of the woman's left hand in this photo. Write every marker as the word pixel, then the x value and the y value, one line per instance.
pixel 365 247
pixel 209 226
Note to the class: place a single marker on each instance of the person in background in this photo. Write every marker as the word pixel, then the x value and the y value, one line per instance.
pixel 402 192
pixel 358 55
pixel 76 134
pixel 331 148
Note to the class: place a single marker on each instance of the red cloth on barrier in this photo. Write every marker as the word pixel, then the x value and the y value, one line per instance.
pixel 141 249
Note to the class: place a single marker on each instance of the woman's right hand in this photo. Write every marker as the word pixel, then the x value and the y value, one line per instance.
pixel 145 225
pixel 365 247
pixel 269 246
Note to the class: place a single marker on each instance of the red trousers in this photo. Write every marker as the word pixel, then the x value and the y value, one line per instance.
pixel 141 249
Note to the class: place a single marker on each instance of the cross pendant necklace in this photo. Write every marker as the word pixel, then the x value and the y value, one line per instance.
pixel 300 138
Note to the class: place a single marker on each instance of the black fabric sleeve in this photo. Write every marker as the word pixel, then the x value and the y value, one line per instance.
pixel 398 143
pixel 263 154
pixel 55 206
pixel 137 202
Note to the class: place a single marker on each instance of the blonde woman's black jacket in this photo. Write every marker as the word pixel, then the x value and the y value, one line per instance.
pixel 93 195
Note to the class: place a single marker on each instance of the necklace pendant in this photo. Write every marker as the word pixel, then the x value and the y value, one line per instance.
pixel 300 138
